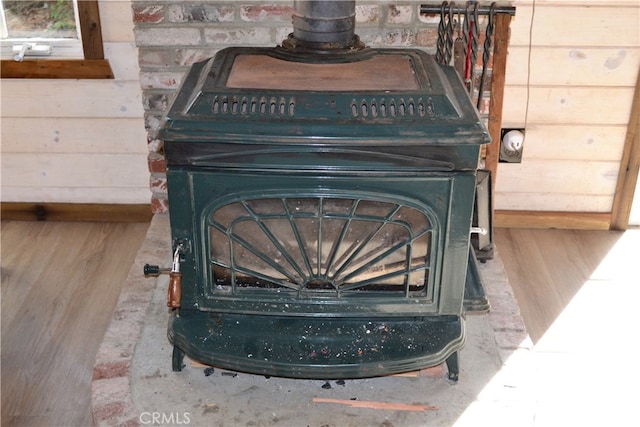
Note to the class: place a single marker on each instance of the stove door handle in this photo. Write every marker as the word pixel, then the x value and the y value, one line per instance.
pixel 174 293
pixel 478 230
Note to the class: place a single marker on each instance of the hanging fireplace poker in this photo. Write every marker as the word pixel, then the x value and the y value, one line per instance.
pixel 462 51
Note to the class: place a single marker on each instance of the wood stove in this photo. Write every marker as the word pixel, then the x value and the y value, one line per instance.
pixel 321 197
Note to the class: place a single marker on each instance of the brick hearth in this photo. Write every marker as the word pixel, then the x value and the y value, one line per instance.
pixel 111 388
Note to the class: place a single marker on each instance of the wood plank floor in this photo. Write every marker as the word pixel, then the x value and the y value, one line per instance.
pixel 61 281
pixel 60 285
pixel 546 268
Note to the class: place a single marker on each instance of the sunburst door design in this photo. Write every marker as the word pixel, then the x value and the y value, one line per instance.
pixel 321 246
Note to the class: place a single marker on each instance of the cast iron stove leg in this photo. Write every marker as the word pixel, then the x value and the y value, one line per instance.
pixel 177 359
pixel 452 367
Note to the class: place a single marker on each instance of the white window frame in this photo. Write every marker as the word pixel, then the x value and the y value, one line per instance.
pixel 36 47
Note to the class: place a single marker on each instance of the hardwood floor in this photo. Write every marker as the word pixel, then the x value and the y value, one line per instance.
pixel 60 285
pixel 546 268
pixel 61 281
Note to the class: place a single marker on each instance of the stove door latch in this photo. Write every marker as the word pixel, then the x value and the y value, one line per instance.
pixel 478 230
pixel 174 293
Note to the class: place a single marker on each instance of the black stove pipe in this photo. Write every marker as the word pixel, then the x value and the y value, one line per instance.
pixel 323 27
pixel 324 23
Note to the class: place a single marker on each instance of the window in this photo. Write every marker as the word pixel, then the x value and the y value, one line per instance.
pixel 43 29
pixel 71 29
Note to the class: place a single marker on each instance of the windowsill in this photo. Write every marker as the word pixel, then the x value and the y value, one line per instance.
pixel 56 69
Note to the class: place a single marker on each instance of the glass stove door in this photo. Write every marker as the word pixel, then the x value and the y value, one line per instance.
pixel 330 247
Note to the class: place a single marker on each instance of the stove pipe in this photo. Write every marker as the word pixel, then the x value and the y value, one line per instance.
pixel 324 21
pixel 323 26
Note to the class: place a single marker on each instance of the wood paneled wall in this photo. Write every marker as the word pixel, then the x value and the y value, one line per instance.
pixel 571 73
pixel 79 141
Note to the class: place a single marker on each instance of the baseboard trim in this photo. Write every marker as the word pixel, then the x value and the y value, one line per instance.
pixel 551 219
pixel 84 212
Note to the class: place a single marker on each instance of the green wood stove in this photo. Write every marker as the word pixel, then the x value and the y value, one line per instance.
pixel 321 197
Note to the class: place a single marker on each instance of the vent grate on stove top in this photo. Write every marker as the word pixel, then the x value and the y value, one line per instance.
pixel 392 108
pixel 263 105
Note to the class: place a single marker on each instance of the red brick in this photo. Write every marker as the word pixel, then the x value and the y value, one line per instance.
pixel 109 411
pixel 156 58
pixel 148 14
pixel 484 105
pixel 399 14
pixel 266 13
pixel 367 14
pixel 400 37
pixel 154 145
pixel 159 205
pixel 480 58
pixel 172 36
pixel 158 183
pixel 427 37
pixel 239 36
pixel 152 122
pixel 157 163
pixel 155 101
pixel 200 12
pixel 111 369
pixel 133 422
pixel 433 18
pixel 157 80
pixel 187 57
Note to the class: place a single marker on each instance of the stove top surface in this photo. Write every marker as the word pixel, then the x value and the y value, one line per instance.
pixel 374 96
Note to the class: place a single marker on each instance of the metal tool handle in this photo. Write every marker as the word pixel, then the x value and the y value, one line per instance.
pixel 174 292
pixel 154 270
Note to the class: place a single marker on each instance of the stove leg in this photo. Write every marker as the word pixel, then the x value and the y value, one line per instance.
pixel 452 367
pixel 177 359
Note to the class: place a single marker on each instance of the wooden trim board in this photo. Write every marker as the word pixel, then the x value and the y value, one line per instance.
pixel 75 212
pixel 56 69
pixel 496 100
pixel 91 29
pixel 552 219
pixel 629 167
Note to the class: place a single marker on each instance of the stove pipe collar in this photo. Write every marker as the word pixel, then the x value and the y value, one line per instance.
pixel 323 26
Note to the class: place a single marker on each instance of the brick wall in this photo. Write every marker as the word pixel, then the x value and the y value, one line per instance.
pixel 173 35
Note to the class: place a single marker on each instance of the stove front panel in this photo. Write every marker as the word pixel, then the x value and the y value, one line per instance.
pixel 322 245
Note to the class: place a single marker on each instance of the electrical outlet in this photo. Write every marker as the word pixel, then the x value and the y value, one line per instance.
pixel 511 145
